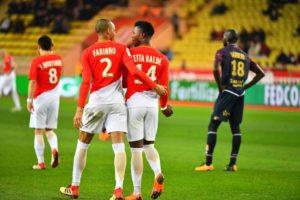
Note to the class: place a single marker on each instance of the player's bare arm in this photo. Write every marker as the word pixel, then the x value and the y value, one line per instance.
pixel 259 74
pixel 31 86
pixel 77 118
pixel 217 66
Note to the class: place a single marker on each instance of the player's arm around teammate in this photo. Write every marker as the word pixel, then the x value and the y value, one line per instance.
pixel 43 100
pixel 102 65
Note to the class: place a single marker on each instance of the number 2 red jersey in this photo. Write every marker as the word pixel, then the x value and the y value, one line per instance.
pixel 46 71
pixel 102 66
pixel 156 66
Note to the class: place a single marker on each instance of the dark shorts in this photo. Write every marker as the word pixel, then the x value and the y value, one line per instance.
pixel 228 107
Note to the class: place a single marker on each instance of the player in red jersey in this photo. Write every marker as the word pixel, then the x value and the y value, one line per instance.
pixel 8 79
pixel 102 64
pixel 43 99
pixel 142 104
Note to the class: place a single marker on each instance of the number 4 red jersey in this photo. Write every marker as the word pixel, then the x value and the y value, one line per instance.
pixel 46 71
pixel 156 66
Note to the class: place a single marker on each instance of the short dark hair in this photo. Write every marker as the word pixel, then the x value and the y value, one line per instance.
pixel 231 36
pixel 45 42
pixel 145 27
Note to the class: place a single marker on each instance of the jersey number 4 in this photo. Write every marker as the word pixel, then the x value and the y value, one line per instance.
pixel 151 73
pixel 238 68
pixel 53 76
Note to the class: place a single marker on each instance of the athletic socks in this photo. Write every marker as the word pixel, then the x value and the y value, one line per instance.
pixel 39 147
pixel 136 169
pixel 210 146
pixel 120 163
pixel 236 142
pixel 153 158
pixel 52 140
pixel 79 162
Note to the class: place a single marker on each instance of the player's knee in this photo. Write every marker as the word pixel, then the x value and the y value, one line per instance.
pixel 235 128
pixel 38 131
pixel 117 137
pixel 136 144
pixel 147 142
pixel 214 125
pixel 85 137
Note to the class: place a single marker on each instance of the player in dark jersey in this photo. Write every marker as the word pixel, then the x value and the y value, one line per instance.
pixel 235 65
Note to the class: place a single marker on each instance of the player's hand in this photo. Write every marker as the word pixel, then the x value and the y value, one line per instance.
pixel 168 111
pixel 160 90
pixel 30 106
pixel 78 118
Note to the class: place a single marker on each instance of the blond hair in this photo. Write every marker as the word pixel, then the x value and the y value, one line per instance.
pixel 102 25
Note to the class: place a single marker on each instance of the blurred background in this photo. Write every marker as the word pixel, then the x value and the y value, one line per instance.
pixel 188 32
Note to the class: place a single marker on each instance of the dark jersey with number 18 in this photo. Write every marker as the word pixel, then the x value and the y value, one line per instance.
pixel 235 68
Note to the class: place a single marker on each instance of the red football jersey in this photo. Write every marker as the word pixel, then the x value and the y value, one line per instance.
pixel 154 64
pixel 7 64
pixel 102 65
pixel 46 71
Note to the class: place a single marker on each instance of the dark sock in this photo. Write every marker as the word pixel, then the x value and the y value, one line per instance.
pixel 211 143
pixel 236 143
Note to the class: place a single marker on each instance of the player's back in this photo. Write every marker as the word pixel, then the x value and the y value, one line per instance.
pixel 235 68
pixel 154 64
pixel 104 62
pixel 46 70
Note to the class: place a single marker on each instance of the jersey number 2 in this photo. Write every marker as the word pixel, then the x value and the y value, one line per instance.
pixel 105 72
pixel 53 76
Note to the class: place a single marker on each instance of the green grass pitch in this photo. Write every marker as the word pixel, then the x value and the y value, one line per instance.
pixel 269 162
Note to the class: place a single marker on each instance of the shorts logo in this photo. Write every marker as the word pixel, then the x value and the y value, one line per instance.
pixel 216 118
pixel 225 113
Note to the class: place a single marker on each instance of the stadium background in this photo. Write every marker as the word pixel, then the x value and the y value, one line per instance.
pixel 188 32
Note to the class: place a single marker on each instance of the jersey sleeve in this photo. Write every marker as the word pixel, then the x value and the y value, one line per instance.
pixel 33 71
pixel 252 65
pixel 164 80
pixel 86 80
pixel 133 70
pixel 219 56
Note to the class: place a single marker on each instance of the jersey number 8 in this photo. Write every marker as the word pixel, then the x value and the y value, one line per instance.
pixel 53 75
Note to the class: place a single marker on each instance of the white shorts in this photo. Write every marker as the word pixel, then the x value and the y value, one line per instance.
pixel 7 83
pixel 142 123
pixel 111 116
pixel 45 113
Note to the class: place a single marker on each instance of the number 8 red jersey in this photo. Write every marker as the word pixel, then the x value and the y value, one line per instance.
pixel 46 71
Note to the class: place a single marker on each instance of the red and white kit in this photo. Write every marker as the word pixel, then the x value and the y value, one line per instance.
pixel 142 102
pixel 8 80
pixel 46 71
pixel 103 64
